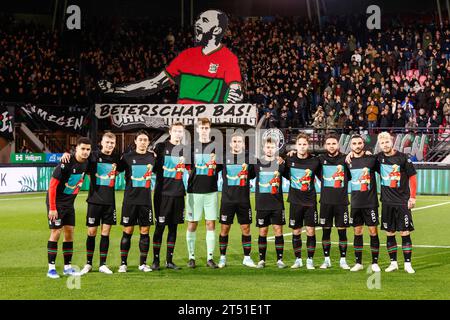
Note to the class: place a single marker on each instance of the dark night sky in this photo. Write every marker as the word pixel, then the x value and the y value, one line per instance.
pixel 234 7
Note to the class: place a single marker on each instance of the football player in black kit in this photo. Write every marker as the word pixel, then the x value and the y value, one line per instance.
pixel 137 201
pixel 169 193
pixel 236 173
pixel 364 201
pixel 102 169
pixel 334 199
pixel 269 201
pixel 65 184
pixel 301 170
pixel 398 196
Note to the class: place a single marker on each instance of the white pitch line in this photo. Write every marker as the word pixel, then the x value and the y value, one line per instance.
pixel 414 245
pixel 383 244
pixel 431 206
pixel 272 238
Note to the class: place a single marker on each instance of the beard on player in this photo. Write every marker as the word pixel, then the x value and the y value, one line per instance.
pixel 202 38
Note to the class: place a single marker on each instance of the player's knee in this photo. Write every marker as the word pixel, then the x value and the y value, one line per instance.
pixel 224 230
pixel 106 231
pixel 263 232
pixel 192 226
pixel 128 230
pixel 358 231
pixel 278 230
pixel 310 231
pixel 144 230
pixel 92 232
pixel 404 233
pixel 373 232
pixel 55 234
pixel 296 232
pixel 68 233
pixel 210 225
pixel 245 230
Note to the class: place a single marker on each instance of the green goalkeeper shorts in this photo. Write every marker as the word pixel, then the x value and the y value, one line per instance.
pixel 197 203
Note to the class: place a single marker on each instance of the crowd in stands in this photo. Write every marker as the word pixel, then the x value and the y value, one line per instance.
pixel 340 76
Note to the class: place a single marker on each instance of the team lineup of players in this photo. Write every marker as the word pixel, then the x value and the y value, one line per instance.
pixel 167 161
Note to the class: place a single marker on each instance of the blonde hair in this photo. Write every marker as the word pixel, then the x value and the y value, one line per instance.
pixel 384 135
pixel 109 135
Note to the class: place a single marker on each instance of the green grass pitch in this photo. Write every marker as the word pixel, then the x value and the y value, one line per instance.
pixel 23 263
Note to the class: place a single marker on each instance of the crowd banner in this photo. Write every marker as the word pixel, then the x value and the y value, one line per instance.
pixel 55 118
pixel 135 116
pixel 6 123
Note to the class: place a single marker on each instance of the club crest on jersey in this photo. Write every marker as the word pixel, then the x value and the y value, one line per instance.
pixel 260 221
pixel 100 160
pixel 292 222
pixel 213 68
pixel 126 219
pixel 223 217
pixel 91 220
pixel 161 219
pixel 134 161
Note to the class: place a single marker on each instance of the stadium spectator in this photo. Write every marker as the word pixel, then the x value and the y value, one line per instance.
pixel 386 117
pixel 286 63
pixel 422 120
pixel 372 115
pixel 446 111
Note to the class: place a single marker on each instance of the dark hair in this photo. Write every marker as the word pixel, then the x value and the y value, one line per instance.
pixel 356 136
pixel 83 140
pixel 176 124
pixel 140 132
pixel 223 22
pixel 269 140
pixel 203 121
pixel 331 135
